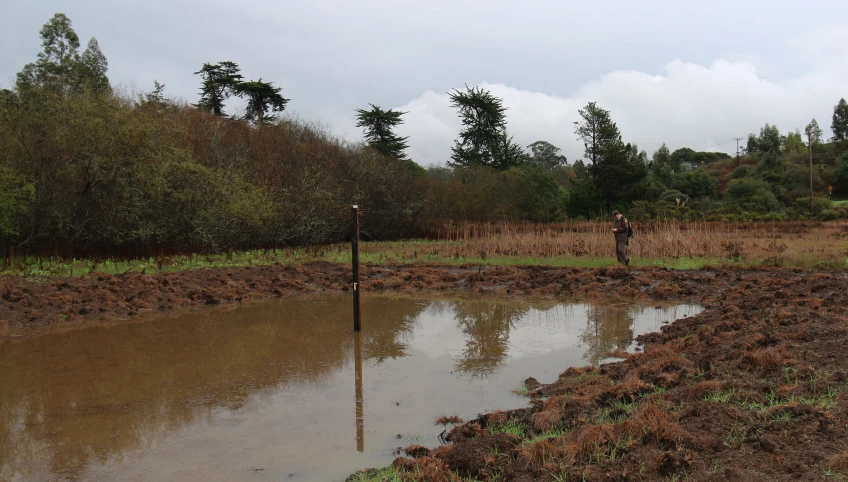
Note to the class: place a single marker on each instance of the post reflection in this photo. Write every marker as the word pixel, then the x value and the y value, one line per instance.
pixel 360 414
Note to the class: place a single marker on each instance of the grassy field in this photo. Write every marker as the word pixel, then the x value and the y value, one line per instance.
pixel 588 244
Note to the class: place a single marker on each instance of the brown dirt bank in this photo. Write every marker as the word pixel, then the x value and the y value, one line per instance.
pixel 26 303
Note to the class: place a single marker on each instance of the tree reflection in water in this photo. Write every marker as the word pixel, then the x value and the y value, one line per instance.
pixel 608 327
pixel 74 396
pixel 486 324
pixel 389 329
pixel 131 381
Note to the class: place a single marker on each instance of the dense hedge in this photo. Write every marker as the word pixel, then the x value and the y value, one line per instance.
pixel 92 172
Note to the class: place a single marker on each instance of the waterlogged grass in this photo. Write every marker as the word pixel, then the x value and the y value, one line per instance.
pixel 34 268
pixel 820 251
pixel 390 474
pixel 385 474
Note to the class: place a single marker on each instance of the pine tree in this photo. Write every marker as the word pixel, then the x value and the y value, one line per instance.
pixel 92 67
pixel 220 81
pixel 262 97
pixel 661 165
pixel 483 139
pixel 597 131
pixel 839 126
pixel 617 168
pixel 378 125
pixel 507 153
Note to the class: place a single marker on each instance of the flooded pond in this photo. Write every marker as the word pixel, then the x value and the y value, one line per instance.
pixel 284 390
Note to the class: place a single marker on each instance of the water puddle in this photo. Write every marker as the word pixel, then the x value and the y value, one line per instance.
pixel 284 390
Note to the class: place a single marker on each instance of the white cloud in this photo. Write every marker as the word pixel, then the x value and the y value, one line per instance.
pixel 686 104
pixel 546 58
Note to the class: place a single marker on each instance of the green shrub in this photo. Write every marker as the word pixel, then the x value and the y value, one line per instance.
pixel 829 215
pixel 695 183
pixel 673 196
pixel 752 195
pixel 741 171
pixel 15 195
pixel 820 204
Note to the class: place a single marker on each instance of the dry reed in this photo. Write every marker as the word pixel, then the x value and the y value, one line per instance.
pixel 776 243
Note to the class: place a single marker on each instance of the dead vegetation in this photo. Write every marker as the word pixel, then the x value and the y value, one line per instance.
pixel 774 244
pixel 448 420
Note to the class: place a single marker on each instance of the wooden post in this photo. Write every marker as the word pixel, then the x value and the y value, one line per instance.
pixel 355 260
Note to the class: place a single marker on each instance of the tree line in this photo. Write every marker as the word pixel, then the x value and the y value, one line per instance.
pixel 87 170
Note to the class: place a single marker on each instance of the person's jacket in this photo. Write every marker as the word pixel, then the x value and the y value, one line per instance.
pixel 620 225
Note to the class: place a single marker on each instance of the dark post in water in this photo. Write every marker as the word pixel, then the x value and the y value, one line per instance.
pixel 360 417
pixel 355 258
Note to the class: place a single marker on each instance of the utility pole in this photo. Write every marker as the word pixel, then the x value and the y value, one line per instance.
pixel 810 142
pixel 813 136
pixel 737 150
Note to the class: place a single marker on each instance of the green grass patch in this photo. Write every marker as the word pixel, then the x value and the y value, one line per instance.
pixel 771 400
pixel 544 436
pixel 385 474
pixel 511 427
pixel 614 414
pixel 521 389
pixel 418 252
pixel 720 396
pixel 824 402
pixel 587 376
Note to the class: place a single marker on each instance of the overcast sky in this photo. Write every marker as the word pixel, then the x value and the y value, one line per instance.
pixel 692 74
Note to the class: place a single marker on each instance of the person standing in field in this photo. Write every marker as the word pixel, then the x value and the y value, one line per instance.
pixel 619 231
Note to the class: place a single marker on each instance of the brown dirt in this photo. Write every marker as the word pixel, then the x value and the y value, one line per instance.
pixel 752 388
pixel 54 301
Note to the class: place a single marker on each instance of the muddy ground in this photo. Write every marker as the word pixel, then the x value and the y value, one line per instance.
pixel 753 388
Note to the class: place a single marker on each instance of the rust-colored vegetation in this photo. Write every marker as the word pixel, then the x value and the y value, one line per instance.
pixel 746 387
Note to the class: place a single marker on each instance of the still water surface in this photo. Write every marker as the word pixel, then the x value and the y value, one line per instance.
pixel 270 391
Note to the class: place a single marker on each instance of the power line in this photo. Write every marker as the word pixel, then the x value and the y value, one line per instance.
pixel 719 143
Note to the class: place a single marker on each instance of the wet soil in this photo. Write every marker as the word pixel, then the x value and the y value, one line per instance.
pixel 53 301
pixel 753 388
